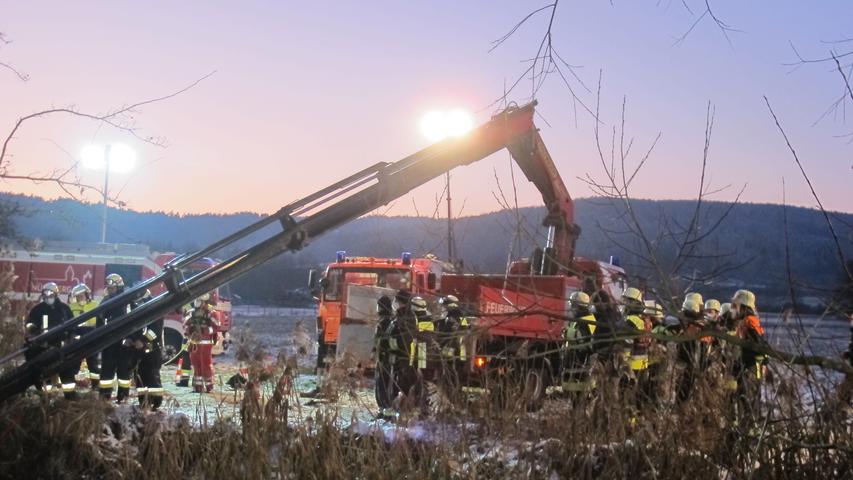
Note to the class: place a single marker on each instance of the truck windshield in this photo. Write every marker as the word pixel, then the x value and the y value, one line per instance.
pixel 380 277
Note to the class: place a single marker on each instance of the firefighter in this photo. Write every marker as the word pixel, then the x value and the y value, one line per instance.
pixel 50 313
pixel 116 359
pixel 712 311
pixel 633 306
pixel 451 327
pixel 202 330
pixel 422 353
pixel 750 367
pixel 728 352
pixel 80 300
pixel 400 336
pixel 688 351
pixel 148 352
pixel 653 314
pixel 385 386
pixel 578 337
pixel 421 346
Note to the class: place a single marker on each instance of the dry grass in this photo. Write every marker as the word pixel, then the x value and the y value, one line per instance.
pixel 607 434
pixel 600 436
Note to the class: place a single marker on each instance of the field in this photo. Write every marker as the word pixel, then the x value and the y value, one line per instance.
pixel 273 431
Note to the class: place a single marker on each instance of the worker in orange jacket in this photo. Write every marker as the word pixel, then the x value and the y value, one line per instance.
pixel 749 369
pixel 202 330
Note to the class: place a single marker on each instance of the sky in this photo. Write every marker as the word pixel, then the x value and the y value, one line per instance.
pixel 306 93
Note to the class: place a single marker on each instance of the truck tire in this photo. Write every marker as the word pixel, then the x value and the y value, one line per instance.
pixel 535 386
pixel 172 342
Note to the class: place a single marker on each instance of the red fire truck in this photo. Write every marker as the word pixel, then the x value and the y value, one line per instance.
pixel 70 263
pixel 420 275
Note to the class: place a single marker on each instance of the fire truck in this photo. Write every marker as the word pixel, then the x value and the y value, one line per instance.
pixel 545 280
pixel 347 290
pixel 70 263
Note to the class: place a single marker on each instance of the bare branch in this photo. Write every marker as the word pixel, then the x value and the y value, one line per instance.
pixel 839 251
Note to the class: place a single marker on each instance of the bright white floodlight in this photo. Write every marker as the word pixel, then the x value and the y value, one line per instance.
pixel 437 125
pixel 116 158
pixel 458 123
pixel 121 157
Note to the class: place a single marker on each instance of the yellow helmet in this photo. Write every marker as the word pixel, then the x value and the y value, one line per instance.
pixel 725 308
pixel 691 305
pixel 745 298
pixel 653 309
pixel 632 294
pixel 697 297
pixel 418 305
pixel 580 299
pixel 713 304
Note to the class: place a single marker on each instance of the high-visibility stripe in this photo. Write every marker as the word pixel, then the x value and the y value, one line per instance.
pixel 69 387
pixel 636 321
pixel 201 342
pixel 94 376
pixel 44 322
pixel 122 383
pixel 578 386
pixel 107 383
pixel 141 390
pixel 156 391
pixel 639 362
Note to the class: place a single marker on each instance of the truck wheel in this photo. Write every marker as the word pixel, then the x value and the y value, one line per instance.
pixel 172 342
pixel 536 381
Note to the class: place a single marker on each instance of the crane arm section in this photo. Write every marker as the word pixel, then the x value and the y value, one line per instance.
pixel 300 222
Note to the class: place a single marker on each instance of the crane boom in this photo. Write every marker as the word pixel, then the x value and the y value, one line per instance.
pixel 303 220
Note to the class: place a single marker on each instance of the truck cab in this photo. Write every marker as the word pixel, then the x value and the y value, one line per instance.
pixel 332 290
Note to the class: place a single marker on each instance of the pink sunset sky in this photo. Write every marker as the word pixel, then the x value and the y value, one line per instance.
pixel 306 93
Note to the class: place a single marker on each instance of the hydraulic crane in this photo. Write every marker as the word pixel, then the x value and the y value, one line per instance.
pixel 307 218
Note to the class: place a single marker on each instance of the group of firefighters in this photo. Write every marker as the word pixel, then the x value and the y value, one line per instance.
pixel 638 351
pixel 629 338
pixel 407 335
pixel 134 360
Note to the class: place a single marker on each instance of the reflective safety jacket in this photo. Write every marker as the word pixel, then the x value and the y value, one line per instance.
pixel 750 329
pixel 580 332
pixel 638 358
pixel 80 308
pixel 202 327
pixel 453 337
pixel 419 345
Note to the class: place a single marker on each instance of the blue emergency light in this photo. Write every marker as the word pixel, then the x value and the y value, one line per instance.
pixel 614 260
pixel 407 258
pixel 341 255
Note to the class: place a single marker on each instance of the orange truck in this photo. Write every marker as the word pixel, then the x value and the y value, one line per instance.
pixel 422 276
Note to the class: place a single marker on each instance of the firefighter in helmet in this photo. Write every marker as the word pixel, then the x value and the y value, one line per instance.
pixel 384 386
pixel 712 311
pixel 400 336
pixel 148 358
pixel 750 366
pixel 451 328
pixel 50 313
pixel 80 300
pixel 578 346
pixel 424 339
pixel 116 359
pixel 688 352
pixel 202 330
pixel 638 354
